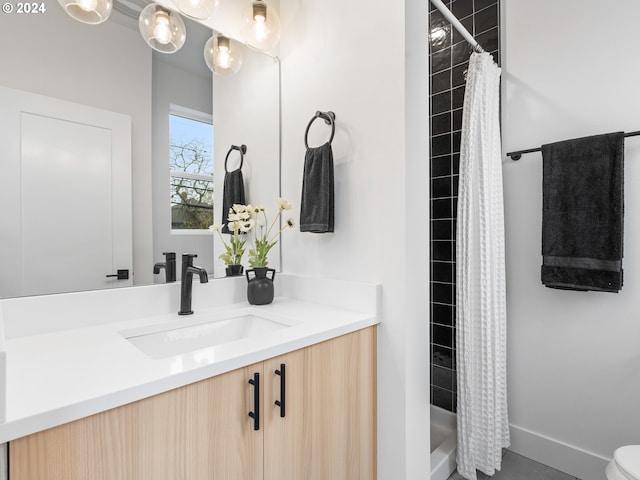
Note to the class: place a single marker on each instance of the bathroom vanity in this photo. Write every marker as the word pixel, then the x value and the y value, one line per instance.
pixel 291 396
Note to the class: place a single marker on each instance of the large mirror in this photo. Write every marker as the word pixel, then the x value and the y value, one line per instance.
pixel 61 65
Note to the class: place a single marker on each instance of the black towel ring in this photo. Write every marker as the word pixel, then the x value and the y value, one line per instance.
pixel 242 149
pixel 329 118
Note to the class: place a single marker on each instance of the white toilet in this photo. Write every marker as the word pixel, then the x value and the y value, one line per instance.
pixel 625 464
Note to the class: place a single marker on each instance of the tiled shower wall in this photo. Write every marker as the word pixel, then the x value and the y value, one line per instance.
pixel 449 58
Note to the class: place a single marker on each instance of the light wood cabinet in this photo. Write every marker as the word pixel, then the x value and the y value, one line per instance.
pixel 328 431
pixel 203 431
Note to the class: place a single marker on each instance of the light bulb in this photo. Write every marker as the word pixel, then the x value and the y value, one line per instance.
pixel 260 26
pixel 198 9
pixel 162 31
pixel 223 58
pixel 88 5
pixel 223 55
pixel 87 11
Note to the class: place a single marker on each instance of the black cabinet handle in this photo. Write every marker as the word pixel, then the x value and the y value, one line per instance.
pixel 281 402
pixel 255 381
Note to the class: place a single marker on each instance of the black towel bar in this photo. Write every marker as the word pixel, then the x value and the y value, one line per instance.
pixel 518 155
pixel 329 118
pixel 242 149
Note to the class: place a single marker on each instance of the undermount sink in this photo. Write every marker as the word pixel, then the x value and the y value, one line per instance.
pixel 182 336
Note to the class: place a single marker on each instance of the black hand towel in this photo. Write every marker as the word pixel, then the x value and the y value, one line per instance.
pixel 582 213
pixel 232 193
pixel 316 207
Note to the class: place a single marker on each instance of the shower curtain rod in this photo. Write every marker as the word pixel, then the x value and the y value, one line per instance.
pixel 457 25
pixel 518 155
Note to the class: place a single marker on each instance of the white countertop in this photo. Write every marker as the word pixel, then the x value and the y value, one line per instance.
pixel 59 376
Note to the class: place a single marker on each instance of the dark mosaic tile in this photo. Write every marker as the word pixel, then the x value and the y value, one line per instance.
pixel 456 141
pixel 485 19
pixel 496 57
pixel 460 52
pixel 441 145
pixel 442 398
pixel 440 36
pixel 441 208
pixel 441 166
pixel 458 74
pixel 441 187
pixel 441 335
pixel 440 60
pixel 436 19
pixel 440 103
pixel 441 123
pixel 457 98
pixel 442 314
pixel 441 272
pixel 489 40
pixel 441 229
pixel 441 81
pixel 442 293
pixel 468 24
pixel 442 378
pixel 454 207
pixel 457 119
pixel 462 8
pixel 481 4
pixel 442 251
pixel 453 345
pixel 442 356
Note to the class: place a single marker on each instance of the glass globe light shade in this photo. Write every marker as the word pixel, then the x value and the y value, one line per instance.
pixel 198 9
pixel 260 26
pixel 162 29
pixel 87 11
pixel 223 55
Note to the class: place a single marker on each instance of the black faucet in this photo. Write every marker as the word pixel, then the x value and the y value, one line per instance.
pixel 186 287
pixel 169 266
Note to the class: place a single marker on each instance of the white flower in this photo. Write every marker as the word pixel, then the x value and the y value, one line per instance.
pixel 216 228
pixel 234 225
pixel 234 217
pixel 248 225
pixel 239 208
pixel 284 204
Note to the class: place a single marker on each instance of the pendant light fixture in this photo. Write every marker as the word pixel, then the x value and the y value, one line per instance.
pixel 223 55
pixel 198 9
pixel 87 11
pixel 260 25
pixel 162 29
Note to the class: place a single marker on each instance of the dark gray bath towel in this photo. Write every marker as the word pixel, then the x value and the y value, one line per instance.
pixel 316 207
pixel 582 213
pixel 233 193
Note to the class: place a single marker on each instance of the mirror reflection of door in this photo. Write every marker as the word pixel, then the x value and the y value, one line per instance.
pixel 74 165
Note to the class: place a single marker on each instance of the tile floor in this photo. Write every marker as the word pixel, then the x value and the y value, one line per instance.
pixel 517 467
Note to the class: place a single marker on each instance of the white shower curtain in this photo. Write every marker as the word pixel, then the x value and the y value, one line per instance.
pixel 483 427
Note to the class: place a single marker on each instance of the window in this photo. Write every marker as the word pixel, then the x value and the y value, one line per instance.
pixel 191 169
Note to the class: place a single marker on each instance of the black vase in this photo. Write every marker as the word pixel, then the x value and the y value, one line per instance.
pixel 260 286
pixel 234 270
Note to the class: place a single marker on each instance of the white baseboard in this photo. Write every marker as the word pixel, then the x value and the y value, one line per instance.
pixel 567 458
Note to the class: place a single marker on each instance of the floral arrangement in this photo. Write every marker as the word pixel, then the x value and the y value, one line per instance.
pixel 264 239
pixel 240 222
pixel 243 219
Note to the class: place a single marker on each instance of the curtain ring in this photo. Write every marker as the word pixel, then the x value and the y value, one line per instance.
pixel 242 149
pixel 329 118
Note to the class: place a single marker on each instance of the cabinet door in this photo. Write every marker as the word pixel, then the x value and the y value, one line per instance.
pixel 200 431
pixel 328 431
